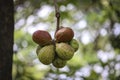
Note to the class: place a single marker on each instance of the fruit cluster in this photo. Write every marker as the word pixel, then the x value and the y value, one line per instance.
pixel 57 51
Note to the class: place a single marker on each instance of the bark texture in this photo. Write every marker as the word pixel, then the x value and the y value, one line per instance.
pixel 6 38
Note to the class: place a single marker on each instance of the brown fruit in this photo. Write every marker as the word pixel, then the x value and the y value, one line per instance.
pixel 64 34
pixel 59 63
pixel 41 37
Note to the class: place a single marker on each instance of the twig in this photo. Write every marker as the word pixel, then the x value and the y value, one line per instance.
pixel 57 14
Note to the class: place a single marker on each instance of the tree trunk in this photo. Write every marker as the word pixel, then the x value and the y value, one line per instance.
pixel 6 38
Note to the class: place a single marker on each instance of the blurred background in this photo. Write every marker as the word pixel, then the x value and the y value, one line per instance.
pixel 96 24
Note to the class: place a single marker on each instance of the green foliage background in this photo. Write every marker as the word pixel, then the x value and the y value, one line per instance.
pixel 97 59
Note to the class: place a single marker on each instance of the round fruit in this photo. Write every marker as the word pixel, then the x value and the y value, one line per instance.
pixel 64 34
pixel 38 49
pixel 64 51
pixel 74 44
pixel 59 63
pixel 41 37
pixel 46 54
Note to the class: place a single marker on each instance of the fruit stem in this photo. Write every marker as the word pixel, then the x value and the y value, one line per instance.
pixel 57 14
pixel 58 21
pixel 54 44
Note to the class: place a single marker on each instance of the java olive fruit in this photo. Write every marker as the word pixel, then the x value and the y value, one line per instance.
pixel 38 49
pixel 41 37
pixel 46 54
pixel 64 51
pixel 74 44
pixel 64 34
pixel 59 63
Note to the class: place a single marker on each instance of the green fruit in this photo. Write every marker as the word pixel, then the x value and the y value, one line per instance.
pixel 74 43
pixel 46 54
pixel 59 63
pixel 64 51
pixel 38 49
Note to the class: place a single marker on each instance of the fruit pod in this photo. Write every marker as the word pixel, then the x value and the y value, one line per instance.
pixel 74 44
pixel 46 54
pixel 38 49
pixel 64 34
pixel 64 51
pixel 41 37
pixel 59 63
